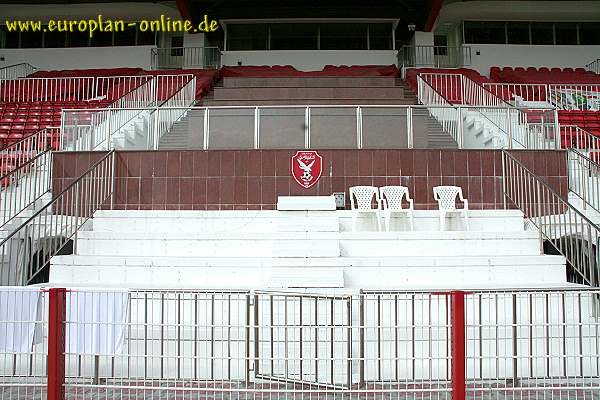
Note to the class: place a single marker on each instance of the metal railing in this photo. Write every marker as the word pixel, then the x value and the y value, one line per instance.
pixel 434 56
pixel 576 96
pixel 22 151
pixel 449 116
pixel 104 128
pixel 69 89
pixel 493 118
pixel 26 252
pixel 457 88
pixel 96 126
pixel 27 166
pixel 594 66
pixel 25 185
pixel 186 57
pixel 573 136
pixel 305 126
pixel 170 112
pixel 583 178
pixel 256 344
pixel 16 71
pixel 559 223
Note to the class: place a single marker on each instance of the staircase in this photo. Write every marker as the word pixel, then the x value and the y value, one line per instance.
pixel 287 249
pixel 185 134
pixel 188 132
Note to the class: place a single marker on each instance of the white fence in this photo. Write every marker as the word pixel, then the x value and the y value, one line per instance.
pixel 290 126
pixel 69 89
pixel 28 165
pixel 584 178
pixel 584 97
pixel 255 344
pixel 447 115
pixel 97 129
pixel 577 138
pixel 434 56
pixel 496 121
pixel 171 111
pixel 25 251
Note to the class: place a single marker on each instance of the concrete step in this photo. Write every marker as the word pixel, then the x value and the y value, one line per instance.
pixel 399 272
pixel 317 81
pixel 307 101
pixel 313 244
pixel 418 261
pixel 274 221
pixel 313 93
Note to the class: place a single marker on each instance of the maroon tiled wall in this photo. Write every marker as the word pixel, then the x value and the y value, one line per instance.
pixel 252 179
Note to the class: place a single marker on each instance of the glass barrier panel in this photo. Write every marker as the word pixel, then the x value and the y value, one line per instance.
pixel 282 128
pixel 384 128
pixel 333 128
pixel 231 128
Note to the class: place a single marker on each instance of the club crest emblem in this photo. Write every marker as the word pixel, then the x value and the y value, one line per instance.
pixel 306 168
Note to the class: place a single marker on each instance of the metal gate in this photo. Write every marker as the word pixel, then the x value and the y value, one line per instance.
pixel 303 339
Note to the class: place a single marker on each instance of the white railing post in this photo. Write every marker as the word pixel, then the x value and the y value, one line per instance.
pixel 359 132
pixel 109 144
pixel 409 127
pixel 256 128
pixel 206 128
pixel 509 132
pixel 460 128
pixel 557 135
pixel 156 124
pixel 307 127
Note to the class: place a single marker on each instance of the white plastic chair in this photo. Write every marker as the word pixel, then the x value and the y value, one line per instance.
pixel 446 198
pixel 364 203
pixel 391 199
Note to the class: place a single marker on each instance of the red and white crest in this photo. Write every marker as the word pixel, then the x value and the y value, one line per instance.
pixel 306 167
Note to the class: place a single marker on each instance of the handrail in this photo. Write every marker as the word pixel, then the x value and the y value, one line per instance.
pixel 594 66
pixel 16 65
pixel 16 71
pixel 404 116
pixel 434 56
pixel 30 177
pixel 566 96
pixel 514 122
pixel 451 87
pixel 165 117
pixel 66 88
pixel 185 57
pixel 449 117
pixel 100 125
pixel 27 250
pixel 559 223
pixel 25 185
pixel 579 138
pixel 584 175
pixel 40 137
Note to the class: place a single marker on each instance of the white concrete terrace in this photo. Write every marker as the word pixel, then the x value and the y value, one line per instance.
pixel 306 249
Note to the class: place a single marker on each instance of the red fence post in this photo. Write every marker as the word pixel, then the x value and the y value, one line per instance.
pixel 56 343
pixel 458 357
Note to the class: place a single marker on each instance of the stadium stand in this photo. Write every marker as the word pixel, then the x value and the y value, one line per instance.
pixel 543 75
pixel 284 86
pixel 525 84
pixel 396 199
